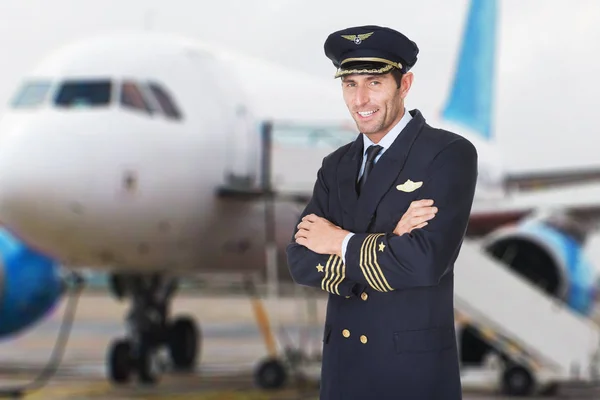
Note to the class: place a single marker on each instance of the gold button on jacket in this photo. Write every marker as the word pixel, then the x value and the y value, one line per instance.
pixel 364 296
pixel 346 333
pixel 363 339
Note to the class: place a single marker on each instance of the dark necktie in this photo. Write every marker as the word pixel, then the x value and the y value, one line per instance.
pixel 372 152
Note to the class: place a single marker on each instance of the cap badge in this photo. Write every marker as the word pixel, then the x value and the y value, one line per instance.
pixel 357 39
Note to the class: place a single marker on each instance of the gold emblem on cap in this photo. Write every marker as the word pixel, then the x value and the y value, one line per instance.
pixel 357 39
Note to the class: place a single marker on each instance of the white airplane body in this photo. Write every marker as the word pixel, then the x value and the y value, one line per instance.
pixel 113 186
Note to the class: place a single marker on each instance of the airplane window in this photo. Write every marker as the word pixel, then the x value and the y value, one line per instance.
pixel 132 97
pixel 86 93
pixel 164 100
pixel 31 94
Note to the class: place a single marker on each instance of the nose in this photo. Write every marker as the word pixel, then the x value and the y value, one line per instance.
pixel 361 96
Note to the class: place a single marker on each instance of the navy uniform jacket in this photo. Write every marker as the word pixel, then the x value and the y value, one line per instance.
pixel 389 329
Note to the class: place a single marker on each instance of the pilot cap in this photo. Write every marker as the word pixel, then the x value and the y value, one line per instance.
pixel 370 49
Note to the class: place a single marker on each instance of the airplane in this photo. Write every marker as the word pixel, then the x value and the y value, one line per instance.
pixel 144 128
pixel 136 153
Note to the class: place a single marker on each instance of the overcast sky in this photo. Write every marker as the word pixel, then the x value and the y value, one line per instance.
pixel 548 80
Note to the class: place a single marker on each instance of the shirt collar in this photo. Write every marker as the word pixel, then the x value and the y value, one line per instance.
pixel 389 138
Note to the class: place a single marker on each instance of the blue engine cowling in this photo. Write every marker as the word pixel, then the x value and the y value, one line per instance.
pixel 550 257
pixel 30 285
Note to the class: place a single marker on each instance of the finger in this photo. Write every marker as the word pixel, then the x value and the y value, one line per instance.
pixel 418 227
pixel 302 233
pixel 419 220
pixel 304 225
pixel 418 212
pixel 302 241
pixel 421 225
pixel 421 203
pixel 408 218
pixel 310 218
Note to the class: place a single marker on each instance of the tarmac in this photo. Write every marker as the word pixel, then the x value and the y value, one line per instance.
pixel 232 347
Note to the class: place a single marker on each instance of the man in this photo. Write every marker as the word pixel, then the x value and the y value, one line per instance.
pixel 389 330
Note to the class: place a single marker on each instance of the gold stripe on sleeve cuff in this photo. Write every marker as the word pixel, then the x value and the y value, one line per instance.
pixel 369 263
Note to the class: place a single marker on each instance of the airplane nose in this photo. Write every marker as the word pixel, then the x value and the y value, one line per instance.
pixel 89 193
pixel 36 176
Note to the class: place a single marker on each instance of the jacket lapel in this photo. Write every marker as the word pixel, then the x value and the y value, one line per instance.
pixel 385 172
pixel 347 175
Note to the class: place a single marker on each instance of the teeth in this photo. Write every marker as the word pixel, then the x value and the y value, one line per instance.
pixel 365 113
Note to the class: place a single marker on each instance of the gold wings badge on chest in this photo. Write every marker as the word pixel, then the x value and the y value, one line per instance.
pixel 409 186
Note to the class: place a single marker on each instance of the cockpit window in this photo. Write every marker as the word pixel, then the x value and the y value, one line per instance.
pixel 132 97
pixel 84 93
pixel 31 94
pixel 165 101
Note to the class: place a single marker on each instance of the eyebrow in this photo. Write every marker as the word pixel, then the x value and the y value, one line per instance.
pixel 368 78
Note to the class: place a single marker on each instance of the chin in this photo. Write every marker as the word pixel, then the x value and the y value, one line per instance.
pixel 369 129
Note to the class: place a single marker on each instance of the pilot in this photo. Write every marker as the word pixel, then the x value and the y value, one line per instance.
pixel 371 237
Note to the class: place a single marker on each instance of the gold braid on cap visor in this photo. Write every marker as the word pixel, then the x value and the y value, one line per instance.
pixel 381 70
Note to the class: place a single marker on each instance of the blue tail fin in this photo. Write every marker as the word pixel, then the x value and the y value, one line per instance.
pixel 472 94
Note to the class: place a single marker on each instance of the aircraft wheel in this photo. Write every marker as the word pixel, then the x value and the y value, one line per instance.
pixel 271 374
pixel 517 381
pixel 119 362
pixel 148 365
pixel 184 339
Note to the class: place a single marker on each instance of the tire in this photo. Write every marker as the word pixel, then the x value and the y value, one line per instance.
pixel 517 381
pixel 119 361
pixel 183 343
pixel 270 374
pixel 148 372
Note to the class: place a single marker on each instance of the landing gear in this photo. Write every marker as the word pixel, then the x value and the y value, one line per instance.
pixel 150 331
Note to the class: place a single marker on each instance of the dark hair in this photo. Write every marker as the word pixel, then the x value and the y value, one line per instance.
pixel 397 74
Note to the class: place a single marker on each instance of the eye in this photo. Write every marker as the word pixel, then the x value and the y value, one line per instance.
pixel 375 82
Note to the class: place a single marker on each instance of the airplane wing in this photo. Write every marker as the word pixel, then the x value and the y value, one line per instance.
pixel 546 179
pixel 579 203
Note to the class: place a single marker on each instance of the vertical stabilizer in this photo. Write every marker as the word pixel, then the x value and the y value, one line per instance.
pixel 471 101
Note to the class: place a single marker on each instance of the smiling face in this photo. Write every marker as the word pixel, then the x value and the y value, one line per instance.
pixel 375 101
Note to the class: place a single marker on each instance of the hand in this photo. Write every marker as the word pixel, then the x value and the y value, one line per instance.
pixel 320 235
pixel 417 215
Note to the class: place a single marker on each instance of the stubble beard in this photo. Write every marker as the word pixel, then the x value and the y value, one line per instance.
pixel 371 127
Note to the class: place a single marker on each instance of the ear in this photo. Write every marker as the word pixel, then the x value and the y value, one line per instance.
pixel 407 80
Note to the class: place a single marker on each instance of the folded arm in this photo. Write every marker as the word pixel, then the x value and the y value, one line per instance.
pixel 309 268
pixel 387 262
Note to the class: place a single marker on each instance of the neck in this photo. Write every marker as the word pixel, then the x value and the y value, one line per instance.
pixel 376 137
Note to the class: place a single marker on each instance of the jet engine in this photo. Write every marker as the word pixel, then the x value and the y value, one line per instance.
pixel 549 253
pixel 30 285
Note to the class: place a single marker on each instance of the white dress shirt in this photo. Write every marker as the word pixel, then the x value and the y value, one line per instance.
pixel 385 142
